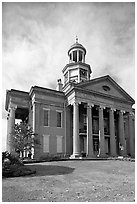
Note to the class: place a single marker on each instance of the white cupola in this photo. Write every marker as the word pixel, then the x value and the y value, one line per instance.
pixel 77 70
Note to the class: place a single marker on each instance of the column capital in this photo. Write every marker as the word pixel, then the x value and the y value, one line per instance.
pixel 13 107
pixel 89 105
pixel 102 107
pixel 112 109
pixel 131 113
pixel 122 111
pixel 76 103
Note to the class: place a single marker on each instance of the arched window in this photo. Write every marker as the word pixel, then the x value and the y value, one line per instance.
pixel 80 56
pixel 75 56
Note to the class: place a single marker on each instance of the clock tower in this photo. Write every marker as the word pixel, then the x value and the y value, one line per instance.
pixel 76 70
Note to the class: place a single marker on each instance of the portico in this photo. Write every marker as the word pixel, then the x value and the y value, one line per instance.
pixel 95 130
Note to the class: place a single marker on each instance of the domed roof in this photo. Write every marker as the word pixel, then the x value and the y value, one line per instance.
pixel 77 45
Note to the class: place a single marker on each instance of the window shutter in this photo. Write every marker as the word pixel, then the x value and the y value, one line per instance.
pixel 45 143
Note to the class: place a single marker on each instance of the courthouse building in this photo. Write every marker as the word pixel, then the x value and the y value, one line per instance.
pixel 83 115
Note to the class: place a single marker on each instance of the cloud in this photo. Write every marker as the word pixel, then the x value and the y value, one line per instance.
pixel 37 36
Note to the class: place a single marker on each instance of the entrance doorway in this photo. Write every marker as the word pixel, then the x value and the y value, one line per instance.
pixel 83 144
pixel 107 145
pixel 96 145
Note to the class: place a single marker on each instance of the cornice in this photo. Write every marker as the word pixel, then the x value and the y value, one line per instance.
pixel 107 77
pixel 102 95
pixel 15 93
pixel 51 92
pixel 76 63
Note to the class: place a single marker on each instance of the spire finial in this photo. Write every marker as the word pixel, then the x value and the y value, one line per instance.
pixel 76 39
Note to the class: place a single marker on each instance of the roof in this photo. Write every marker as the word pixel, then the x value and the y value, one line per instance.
pixel 14 92
pixel 46 90
pixel 99 79
pixel 76 45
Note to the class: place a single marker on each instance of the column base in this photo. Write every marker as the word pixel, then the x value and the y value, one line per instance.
pixel 75 156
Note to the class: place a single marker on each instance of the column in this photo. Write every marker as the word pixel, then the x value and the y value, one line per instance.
pixel 77 55
pixel 83 57
pixel 76 147
pixel 89 131
pixel 131 135
pixel 122 143
pixel 101 133
pixel 36 126
pixel 11 123
pixel 112 132
pixel 71 57
pixel 79 75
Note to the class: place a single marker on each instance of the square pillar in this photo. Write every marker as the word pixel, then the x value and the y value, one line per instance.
pixel 112 133
pixel 101 133
pixel 131 135
pixel 122 142
pixel 77 55
pixel 76 143
pixel 36 120
pixel 10 129
pixel 89 131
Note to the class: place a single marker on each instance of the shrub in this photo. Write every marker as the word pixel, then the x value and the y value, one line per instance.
pixel 12 165
pixel 13 158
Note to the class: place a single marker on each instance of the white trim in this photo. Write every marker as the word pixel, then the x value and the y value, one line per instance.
pixel 59 110
pixel 46 108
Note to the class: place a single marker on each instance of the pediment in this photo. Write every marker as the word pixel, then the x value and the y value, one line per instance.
pixel 106 86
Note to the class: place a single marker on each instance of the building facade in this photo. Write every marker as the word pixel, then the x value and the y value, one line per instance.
pixel 83 115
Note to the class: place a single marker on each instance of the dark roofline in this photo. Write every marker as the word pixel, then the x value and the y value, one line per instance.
pixel 15 90
pixel 77 45
pixel 12 92
pixel 42 89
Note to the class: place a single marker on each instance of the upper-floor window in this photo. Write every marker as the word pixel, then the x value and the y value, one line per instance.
pixel 59 119
pixel 46 117
pixel 80 56
pixel 75 56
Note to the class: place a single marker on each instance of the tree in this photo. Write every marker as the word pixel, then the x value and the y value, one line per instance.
pixel 23 138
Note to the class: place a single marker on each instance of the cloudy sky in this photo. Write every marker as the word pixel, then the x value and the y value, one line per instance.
pixel 37 36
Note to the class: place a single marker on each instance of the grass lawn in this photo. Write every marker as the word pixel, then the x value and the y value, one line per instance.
pixel 73 181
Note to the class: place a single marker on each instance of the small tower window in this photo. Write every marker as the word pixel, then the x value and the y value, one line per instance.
pixel 83 73
pixel 75 56
pixel 80 56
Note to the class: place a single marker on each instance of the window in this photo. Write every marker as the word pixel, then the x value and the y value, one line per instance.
pixel 80 56
pixel 46 117
pixel 106 88
pixel 83 73
pixel 95 126
pixel 46 143
pixel 106 126
pixel 95 144
pixel 59 144
pixel 59 119
pixel 75 56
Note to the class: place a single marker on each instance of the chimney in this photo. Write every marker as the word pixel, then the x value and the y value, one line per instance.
pixel 59 85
